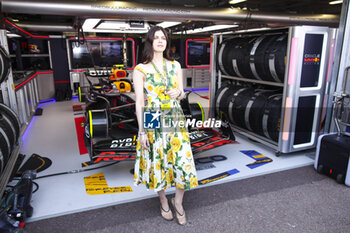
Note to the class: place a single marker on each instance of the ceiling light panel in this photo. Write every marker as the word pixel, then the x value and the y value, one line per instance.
pixel 236 1
pixel 335 2
pixel 167 24
pixel 12 35
pixel 253 30
pixel 210 28
pixel 114 26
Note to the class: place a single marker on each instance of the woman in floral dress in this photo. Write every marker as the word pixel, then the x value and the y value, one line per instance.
pixel 164 157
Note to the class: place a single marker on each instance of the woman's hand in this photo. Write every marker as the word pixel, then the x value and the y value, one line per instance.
pixel 144 141
pixel 173 93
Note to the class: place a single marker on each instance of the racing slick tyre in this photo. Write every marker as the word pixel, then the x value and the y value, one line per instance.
pixel 13 118
pixel 5 64
pixel 196 111
pixel 271 117
pixel 80 95
pixel 98 123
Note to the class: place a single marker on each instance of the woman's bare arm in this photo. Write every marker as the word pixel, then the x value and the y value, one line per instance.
pixel 138 78
pixel 177 93
pixel 180 80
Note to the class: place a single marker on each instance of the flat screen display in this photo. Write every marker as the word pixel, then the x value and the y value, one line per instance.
pixel 198 53
pixel 100 54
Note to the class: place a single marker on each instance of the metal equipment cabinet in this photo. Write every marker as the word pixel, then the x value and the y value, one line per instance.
pixel 196 78
pixel 303 87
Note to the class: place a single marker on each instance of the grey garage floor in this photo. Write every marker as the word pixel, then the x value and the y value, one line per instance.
pixel 297 200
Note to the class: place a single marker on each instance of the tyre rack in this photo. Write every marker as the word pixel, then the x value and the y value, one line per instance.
pixel 24 100
pixel 300 38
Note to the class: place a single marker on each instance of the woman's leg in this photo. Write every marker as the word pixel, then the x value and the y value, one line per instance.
pixel 163 200
pixel 165 210
pixel 177 203
pixel 179 194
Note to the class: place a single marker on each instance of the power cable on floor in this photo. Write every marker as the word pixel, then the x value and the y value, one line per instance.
pixel 62 173
pixel 76 171
pixel 204 97
pixel 70 172
pixel 36 187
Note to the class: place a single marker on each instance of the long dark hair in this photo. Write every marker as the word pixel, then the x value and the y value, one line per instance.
pixel 147 54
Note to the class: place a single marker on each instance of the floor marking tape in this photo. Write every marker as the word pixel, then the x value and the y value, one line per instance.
pixel 218 176
pixel 97 184
pixel 259 158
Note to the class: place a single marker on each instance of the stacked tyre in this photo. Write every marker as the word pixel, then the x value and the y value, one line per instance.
pixel 271 116
pixel 253 109
pixel 257 57
pixel 5 64
pixel 9 133
pixel 9 121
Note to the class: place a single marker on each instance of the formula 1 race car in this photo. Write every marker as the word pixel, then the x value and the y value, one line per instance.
pixel 106 142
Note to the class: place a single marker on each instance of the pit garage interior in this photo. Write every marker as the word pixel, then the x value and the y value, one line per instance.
pixel 273 72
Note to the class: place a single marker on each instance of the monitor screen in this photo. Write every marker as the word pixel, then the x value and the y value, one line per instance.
pixel 198 53
pixel 196 50
pixel 100 54
pixel 110 49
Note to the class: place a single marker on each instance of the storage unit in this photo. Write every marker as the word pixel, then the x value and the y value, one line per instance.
pixel 30 54
pixel 9 98
pixel 46 86
pixel 187 77
pixel 196 78
pixel 201 78
pixel 27 98
pixel 308 58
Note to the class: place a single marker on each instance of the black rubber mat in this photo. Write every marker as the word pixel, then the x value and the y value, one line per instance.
pixel 35 162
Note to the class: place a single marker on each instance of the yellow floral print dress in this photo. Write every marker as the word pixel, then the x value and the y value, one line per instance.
pixel 169 162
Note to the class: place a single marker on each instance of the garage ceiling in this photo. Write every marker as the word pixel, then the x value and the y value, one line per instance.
pixel 282 7
pixel 279 6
